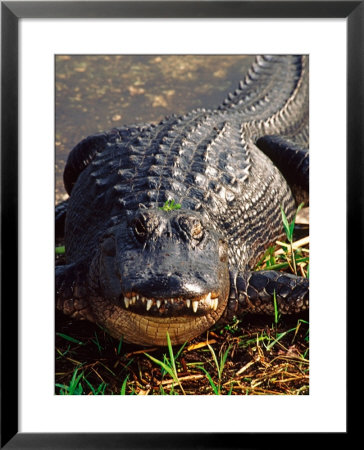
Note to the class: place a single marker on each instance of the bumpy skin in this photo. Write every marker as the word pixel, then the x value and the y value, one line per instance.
pixel 141 271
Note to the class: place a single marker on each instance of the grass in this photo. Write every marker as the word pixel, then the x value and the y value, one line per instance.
pixel 216 388
pixel 60 250
pixel 252 355
pixel 77 385
pixel 292 256
pixel 289 229
pixel 249 359
pixel 169 364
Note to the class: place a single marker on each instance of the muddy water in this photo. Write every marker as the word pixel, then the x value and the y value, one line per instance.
pixel 96 93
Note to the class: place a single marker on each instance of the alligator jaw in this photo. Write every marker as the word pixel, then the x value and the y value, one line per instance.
pixel 143 328
pixel 170 306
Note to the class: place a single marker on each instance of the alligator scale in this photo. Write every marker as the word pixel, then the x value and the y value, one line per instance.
pixel 141 269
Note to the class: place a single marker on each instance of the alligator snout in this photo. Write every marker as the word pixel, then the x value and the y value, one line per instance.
pixel 167 255
pixel 159 283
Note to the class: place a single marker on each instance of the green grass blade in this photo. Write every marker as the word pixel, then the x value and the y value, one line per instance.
pixel 223 361
pixel 165 366
pixel 119 346
pixel 291 227
pixel 101 389
pixel 171 355
pixel 231 388
pixel 213 355
pixel 276 312
pixel 75 387
pixel 90 386
pixel 69 338
pixel 123 387
pixel 97 343
pixel 285 264
pixel 63 388
pixel 180 350
pixel 279 337
pixel 285 223
pixel 213 385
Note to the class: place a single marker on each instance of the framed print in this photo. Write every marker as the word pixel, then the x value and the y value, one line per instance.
pixel 57 52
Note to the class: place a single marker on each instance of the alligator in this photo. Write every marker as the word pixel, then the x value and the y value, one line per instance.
pixel 165 222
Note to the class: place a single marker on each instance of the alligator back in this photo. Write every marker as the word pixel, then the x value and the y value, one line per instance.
pixel 206 160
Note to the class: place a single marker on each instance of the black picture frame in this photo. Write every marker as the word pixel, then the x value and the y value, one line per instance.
pixel 11 12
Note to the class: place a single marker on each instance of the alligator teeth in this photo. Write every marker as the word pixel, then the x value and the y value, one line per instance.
pixel 195 305
pixel 206 302
pixel 149 304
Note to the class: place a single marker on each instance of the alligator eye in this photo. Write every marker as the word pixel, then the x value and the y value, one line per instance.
pixel 192 226
pixel 139 227
pixel 197 230
pixel 144 225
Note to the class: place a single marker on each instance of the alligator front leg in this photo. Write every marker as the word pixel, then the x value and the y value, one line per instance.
pixel 60 218
pixel 257 292
pixel 70 292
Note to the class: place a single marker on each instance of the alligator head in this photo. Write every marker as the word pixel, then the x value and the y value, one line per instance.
pixel 160 271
